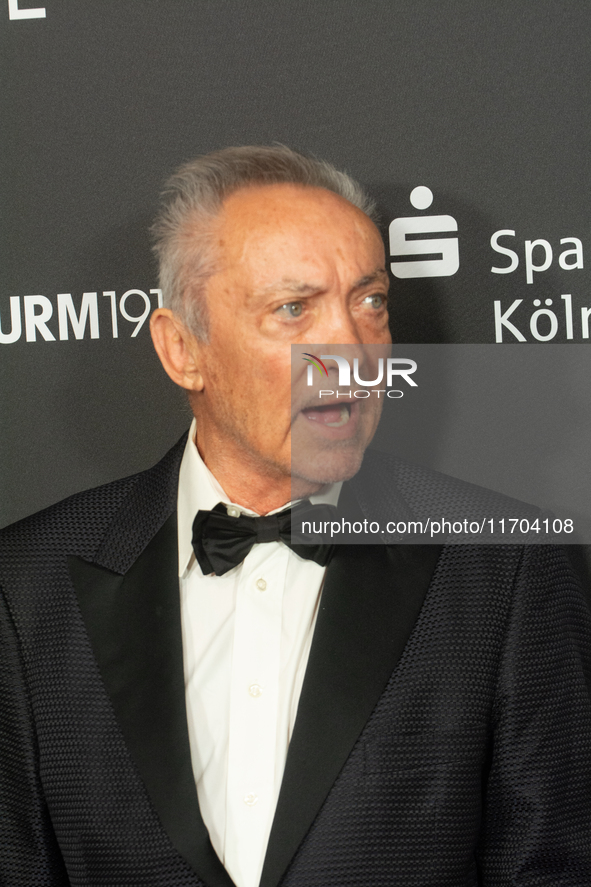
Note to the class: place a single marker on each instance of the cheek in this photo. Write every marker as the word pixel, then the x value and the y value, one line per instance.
pixel 268 411
pixel 229 367
pixel 219 378
pixel 255 388
pixel 272 378
pixel 377 326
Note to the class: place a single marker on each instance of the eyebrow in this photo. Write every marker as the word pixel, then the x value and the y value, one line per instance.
pixel 298 287
pixel 378 274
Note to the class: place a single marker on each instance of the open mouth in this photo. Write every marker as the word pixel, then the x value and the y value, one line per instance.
pixel 335 415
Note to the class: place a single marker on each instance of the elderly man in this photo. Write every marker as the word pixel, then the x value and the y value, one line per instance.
pixel 181 709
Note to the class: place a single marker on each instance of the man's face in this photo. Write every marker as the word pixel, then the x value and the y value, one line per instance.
pixel 295 265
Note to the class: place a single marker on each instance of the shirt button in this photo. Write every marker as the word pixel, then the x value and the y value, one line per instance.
pixel 255 690
pixel 233 511
pixel 250 799
pixel 261 585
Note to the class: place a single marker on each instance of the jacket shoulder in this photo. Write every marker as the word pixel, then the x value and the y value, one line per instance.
pixel 429 492
pixel 78 524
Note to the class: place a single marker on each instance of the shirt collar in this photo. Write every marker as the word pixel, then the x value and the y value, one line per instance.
pixel 200 491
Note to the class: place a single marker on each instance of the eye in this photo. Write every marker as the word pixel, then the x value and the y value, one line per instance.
pixel 376 301
pixel 291 309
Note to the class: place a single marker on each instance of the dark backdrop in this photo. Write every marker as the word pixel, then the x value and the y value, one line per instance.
pixel 485 103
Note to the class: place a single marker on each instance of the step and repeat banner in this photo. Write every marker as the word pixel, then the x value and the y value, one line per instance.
pixel 467 121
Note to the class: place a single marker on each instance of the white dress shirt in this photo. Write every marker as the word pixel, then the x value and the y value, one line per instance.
pixel 246 641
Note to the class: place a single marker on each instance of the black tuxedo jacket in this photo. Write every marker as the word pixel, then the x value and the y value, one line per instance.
pixel 443 736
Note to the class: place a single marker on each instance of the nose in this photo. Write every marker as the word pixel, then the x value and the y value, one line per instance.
pixel 339 327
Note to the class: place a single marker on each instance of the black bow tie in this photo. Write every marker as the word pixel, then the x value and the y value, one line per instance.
pixel 223 537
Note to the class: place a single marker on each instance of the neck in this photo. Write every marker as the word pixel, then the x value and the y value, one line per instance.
pixel 247 483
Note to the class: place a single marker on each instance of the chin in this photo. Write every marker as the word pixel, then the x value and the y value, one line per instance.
pixel 328 467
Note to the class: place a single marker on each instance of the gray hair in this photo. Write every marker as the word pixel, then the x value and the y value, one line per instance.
pixel 193 197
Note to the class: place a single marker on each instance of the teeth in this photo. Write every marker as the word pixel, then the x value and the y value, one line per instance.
pixel 343 419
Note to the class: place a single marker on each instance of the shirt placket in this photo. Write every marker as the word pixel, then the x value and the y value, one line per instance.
pixel 254 700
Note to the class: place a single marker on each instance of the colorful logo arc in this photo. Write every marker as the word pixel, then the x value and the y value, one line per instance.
pixel 315 361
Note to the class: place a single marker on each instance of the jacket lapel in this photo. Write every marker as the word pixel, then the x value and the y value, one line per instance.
pixel 132 616
pixel 370 602
pixel 129 599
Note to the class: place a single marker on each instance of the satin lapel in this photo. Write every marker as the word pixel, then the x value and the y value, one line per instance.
pixel 134 624
pixel 370 602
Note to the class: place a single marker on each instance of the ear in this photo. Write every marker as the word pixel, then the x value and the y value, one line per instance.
pixel 177 348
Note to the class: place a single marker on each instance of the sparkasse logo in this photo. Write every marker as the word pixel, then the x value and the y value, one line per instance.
pixel 15 12
pixel 423 246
